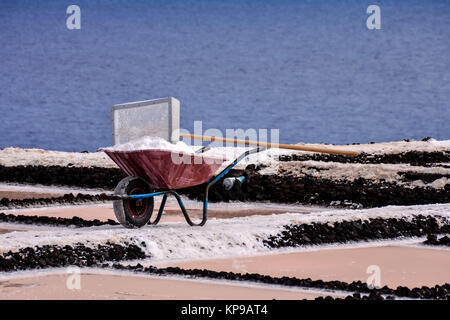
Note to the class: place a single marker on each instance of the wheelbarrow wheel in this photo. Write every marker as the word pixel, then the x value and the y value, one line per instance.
pixel 133 213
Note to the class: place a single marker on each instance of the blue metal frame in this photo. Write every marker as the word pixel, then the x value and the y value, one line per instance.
pixel 210 183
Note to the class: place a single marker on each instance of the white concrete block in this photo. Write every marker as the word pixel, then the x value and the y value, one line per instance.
pixel 156 117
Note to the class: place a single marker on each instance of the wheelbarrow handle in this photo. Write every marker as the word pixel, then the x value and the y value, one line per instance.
pixel 301 147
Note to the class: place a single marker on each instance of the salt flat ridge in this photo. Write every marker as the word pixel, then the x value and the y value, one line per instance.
pixel 218 238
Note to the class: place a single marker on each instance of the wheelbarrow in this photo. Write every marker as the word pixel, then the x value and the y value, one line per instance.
pixel 154 172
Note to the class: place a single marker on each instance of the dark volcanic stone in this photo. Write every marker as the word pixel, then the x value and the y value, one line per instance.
pixel 359 230
pixel 357 287
pixel 287 188
pixel 57 256
pixel 432 239
pixel 276 188
pixel 425 177
pixel 416 158
pixel 65 199
pixel 91 177
pixel 75 221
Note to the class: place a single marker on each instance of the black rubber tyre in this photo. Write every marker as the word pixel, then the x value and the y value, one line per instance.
pixel 132 213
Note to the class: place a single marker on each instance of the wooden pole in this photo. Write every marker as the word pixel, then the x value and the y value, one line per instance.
pixel 270 145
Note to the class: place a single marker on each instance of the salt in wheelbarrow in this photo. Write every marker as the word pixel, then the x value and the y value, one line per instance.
pixel 153 172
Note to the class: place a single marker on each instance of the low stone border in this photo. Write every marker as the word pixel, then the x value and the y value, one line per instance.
pixel 78 255
pixel 436 292
pixel 53 221
pixel 415 158
pixel 82 256
pixel 84 177
pixel 432 239
pixel 258 187
pixel 358 230
pixel 68 198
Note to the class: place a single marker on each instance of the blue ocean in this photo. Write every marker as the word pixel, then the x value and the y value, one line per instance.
pixel 311 69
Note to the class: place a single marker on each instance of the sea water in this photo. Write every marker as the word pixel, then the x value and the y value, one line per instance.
pixel 312 69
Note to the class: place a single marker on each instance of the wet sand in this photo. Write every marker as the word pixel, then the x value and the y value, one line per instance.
pixel 20 192
pixel 3 231
pixel 106 286
pixel 172 211
pixel 19 195
pixel 90 212
pixel 399 265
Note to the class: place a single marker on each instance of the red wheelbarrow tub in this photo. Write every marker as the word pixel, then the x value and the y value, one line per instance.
pixel 165 169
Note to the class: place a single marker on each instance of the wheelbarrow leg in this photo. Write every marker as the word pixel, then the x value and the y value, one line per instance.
pixel 211 182
pixel 186 215
pixel 160 211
